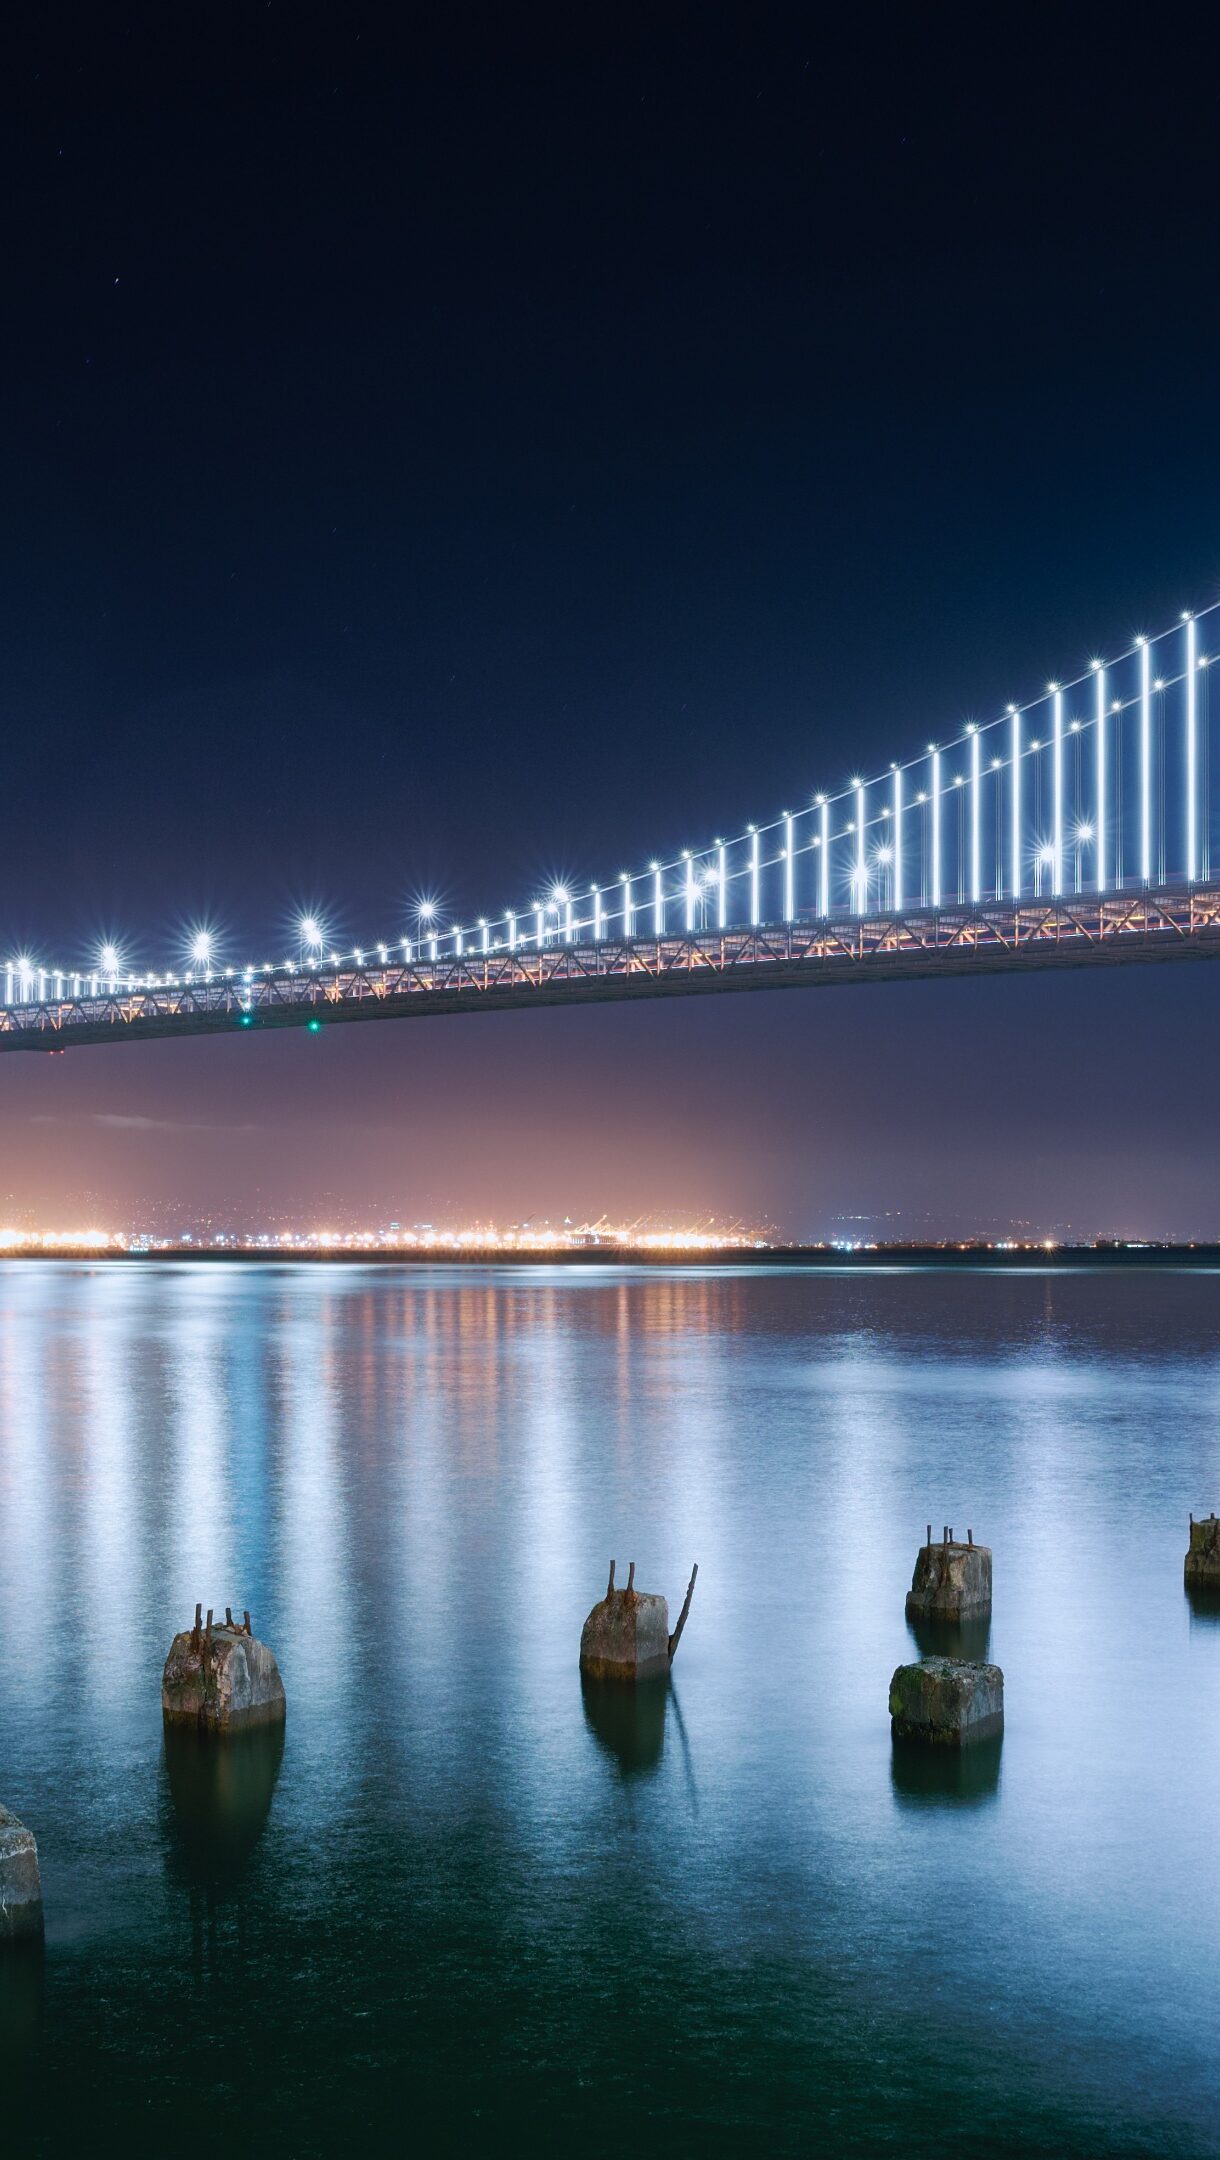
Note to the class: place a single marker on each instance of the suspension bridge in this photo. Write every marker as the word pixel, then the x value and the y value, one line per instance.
pixel 1074 830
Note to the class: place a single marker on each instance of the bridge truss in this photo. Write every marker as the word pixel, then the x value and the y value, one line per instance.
pixel 1086 930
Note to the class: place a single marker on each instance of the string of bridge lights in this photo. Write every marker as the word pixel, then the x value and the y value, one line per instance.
pixel 706 874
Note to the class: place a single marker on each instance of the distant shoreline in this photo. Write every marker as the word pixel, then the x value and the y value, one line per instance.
pixel 1033 1260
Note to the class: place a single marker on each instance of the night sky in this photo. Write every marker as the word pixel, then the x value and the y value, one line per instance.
pixel 444 458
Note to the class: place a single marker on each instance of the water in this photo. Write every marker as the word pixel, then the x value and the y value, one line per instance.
pixel 471 1905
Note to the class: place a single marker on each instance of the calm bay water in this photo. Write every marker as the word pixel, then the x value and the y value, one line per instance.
pixel 469 1904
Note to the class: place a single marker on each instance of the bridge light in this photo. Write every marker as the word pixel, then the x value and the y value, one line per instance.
pixel 1057 791
pixel 1100 799
pixel 314 1026
pixel 628 912
pixel 201 950
pixel 824 864
pixel 935 827
pixel 976 855
pixel 110 961
pixel 1192 785
pixel 789 870
pixel 861 857
pixel 1145 763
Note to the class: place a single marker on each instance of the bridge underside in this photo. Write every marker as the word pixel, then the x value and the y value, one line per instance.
pixel 996 938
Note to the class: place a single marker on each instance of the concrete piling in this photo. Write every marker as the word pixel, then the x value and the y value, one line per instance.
pixel 20 1882
pixel 946 1702
pixel 951 1581
pixel 626 1636
pixel 1201 1569
pixel 220 1678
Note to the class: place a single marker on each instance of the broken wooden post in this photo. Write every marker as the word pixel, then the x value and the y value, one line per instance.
pixel 222 1679
pixel 676 1637
pixel 627 1636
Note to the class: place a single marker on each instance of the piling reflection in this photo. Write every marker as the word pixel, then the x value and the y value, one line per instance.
pixel 924 1776
pixel 22 1987
pixel 221 1793
pixel 627 1719
pixel 936 1637
pixel 1203 1600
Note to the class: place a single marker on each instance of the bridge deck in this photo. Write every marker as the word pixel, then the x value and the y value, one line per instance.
pixel 999 937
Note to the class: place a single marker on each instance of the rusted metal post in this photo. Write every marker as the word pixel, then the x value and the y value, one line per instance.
pixel 630 1577
pixel 675 1638
pixel 610 1584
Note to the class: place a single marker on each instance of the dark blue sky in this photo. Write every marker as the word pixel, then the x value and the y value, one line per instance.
pixel 438 459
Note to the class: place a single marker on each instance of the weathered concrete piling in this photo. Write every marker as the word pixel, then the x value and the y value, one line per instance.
pixel 220 1678
pixel 627 1636
pixel 1202 1567
pixel 944 1702
pixel 20 1883
pixel 951 1581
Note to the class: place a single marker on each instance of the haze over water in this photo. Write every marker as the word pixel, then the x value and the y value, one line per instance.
pixel 473 1903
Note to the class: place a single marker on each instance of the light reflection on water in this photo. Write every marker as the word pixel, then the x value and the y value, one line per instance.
pixel 472 1891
